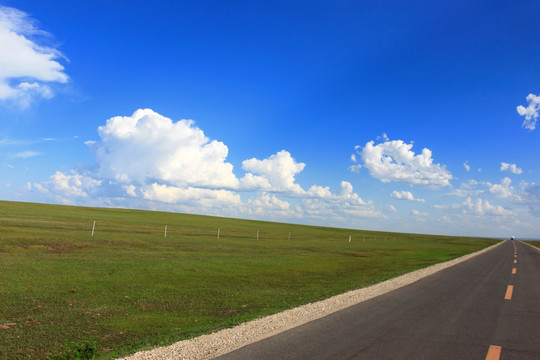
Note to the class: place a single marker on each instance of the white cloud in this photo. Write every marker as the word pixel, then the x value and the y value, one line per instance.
pixel 502 190
pixel 131 190
pixel 148 161
pixel 321 203
pixel 73 184
pixel 419 214
pixel 26 154
pixel 478 207
pixel 269 205
pixel 511 167
pixel 40 188
pixel 22 58
pixel 147 146
pixel 467 166
pixel 404 195
pixel 530 112
pixel 355 168
pixel 393 161
pixel 205 197
pixel 483 207
pixel 467 189
pixel 273 174
pixel 530 195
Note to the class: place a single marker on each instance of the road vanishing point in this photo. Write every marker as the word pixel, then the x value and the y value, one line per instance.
pixel 487 307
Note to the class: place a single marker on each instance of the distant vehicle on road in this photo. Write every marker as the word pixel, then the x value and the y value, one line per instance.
pixel 512 238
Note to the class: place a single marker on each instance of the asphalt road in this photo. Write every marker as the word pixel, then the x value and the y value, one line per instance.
pixel 463 312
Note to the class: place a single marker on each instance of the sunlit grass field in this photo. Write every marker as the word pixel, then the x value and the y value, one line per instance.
pixel 129 287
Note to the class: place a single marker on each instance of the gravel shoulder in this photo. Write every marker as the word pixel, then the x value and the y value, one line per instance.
pixel 227 340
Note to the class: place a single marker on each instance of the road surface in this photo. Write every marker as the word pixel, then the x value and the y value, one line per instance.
pixel 485 308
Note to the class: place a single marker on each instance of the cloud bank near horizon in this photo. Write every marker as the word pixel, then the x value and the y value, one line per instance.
pixel 146 157
pixel 147 160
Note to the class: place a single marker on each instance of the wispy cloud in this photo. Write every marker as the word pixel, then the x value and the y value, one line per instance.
pixel 26 154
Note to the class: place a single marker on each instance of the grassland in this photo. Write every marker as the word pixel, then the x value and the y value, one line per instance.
pixel 534 243
pixel 129 287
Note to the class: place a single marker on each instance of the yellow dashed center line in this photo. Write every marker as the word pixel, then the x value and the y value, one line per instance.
pixel 509 290
pixel 514 270
pixel 515 261
pixel 494 352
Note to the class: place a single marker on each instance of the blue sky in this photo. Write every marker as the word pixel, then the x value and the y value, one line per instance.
pixel 402 116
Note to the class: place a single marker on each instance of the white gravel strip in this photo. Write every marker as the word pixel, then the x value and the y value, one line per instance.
pixel 224 341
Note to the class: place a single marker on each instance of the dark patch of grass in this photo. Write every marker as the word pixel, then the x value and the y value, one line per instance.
pixel 137 289
pixel 86 351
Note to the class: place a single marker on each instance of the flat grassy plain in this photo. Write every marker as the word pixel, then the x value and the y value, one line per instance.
pixel 128 287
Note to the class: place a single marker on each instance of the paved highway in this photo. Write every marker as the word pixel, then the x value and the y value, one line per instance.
pixel 485 308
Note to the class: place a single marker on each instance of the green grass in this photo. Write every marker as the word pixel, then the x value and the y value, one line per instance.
pixel 136 289
pixel 534 243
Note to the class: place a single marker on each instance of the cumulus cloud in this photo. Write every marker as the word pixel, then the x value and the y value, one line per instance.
pixel 467 166
pixel 483 207
pixel 530 112
pixel 321 203
pixel 147 160
pixel 511 167
pixel 73 184
pixel 265 204
pixel 502 190
pixel 26 65
pixel 404 195
pixel 147 146
pixel 394 161
pixel 477 207
pixel 273 174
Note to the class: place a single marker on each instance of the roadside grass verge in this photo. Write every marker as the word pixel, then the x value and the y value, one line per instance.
pixel 129 287
pixel 533 243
